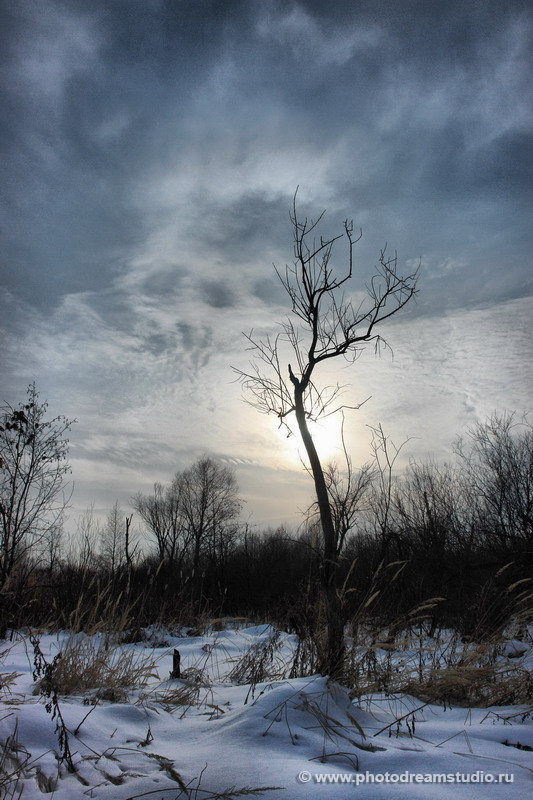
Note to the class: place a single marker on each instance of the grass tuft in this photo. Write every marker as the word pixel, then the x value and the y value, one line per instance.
pixel 89 662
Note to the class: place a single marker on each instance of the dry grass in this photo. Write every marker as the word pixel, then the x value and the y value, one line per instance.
pixel 306 658
pixel 403 658
pixel 185 696
pixel 103 613
pixel 90 662
pixel 443 668
pixel 262 661
pixel 222 623
pixel 407 656
pixel 14 759
pixel 7 679
pixel 475 685
pixel 93 656
pixel 194 687
pixel 194 791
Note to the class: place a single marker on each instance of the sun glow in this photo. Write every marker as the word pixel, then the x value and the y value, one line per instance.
pixel 326 434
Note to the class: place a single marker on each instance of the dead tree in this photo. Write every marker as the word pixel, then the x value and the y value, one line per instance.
pixel 33 480
pixel 324 324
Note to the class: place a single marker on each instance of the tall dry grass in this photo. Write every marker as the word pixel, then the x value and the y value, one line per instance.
pixel 88 661
pixel 92 656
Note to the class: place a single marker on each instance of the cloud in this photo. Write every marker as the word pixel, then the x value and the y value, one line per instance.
pixel 217 294
pixel 298 32
pixel 150 161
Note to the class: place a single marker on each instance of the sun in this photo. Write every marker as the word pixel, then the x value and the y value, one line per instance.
pixel 326 434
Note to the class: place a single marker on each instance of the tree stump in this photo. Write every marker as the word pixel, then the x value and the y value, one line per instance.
pixel 176 671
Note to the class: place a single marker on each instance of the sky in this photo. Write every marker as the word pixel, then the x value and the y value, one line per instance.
pixel 150 154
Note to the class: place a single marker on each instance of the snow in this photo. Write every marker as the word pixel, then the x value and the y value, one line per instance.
pixel 253 736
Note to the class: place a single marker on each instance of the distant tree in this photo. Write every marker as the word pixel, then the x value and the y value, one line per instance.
pixel 110 539
pixel 116 546
pixel 82 549
pixel 52 549
pixel 209 504
pixel 430 527
pixel 192 521
pixel 497 459
pixel 161 513
pixel 33 470
pixel 325 325
pixel 382 500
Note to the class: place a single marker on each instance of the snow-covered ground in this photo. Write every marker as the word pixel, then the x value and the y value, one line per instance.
pixel 211 734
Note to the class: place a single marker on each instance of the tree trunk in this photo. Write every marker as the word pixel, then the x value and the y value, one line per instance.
pixel 333 660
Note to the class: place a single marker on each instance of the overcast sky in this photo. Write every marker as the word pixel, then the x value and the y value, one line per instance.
pixel 150 152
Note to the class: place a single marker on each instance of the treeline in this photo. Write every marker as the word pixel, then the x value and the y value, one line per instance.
pixel 460 534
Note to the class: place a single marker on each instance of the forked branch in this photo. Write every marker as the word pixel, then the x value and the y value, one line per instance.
pixel 325 324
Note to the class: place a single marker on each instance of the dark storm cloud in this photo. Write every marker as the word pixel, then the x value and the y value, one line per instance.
pixel 83 89
pixel 99 96
pixel 65 224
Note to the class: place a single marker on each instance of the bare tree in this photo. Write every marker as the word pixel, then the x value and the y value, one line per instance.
pixel 192 519
pixel 115 545
pixel 325 324
pixel 160 512
pixel 52 547
pixel 208 504
pixel 33 470
pixel 82 549
pixel 497 458
pixel 130 549
pixel 382 502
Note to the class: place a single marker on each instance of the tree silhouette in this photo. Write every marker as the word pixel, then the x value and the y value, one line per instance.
pixel 33 470
pixel 325 324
